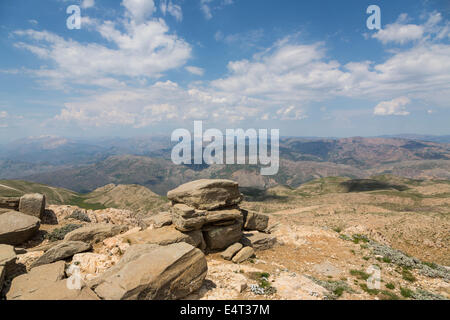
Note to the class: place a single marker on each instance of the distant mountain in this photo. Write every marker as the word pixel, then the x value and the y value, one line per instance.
pixel 302 159
pixel 430 138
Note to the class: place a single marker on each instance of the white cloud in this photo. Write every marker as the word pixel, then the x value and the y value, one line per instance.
pixel 207 9
pixel 402 33
pixel 394 107
pixel 172 9
pixel 139 10
pixel 87 4
pixel 145 49
pixel 195 70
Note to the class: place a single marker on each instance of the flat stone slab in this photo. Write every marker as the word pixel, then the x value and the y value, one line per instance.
pixel 256 221
pixel 16 227
pixel 157 273
pixel 244 254
pixel 95 232
pixel 159 220
pixel 207 194
pixel 37 279
pixel 166 236
pixel 62 251
pixel 231 251
pixel 258 240
pixel 220 237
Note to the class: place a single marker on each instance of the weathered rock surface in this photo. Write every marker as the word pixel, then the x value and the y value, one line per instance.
pixel 9 203
pixel 156 273
pixel 165 236
pixel 36 280
pixel 32 204
pixel 7 255
pixel 258 240
pixel 16 227
pixel 220 237
pixel 243 254
pixel 207 194
pixel 223 215
pixel 62 251
pixel 2 276
pixel 231 251
pixel 59 291
pixel 159 220
pixel 256 221
pixel 186 218
pixel 95 233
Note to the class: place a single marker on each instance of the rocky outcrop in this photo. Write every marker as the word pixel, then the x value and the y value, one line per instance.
pixel 165 236
pixel 95 233
pixel 62 251
pixel 219 237
pixel 33 205
pixel 9 203
pixel 16 227
pixel 207 194
pixel 154 273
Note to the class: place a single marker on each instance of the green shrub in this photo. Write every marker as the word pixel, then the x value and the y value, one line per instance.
pixel 60 233
pixel 390 285
pixel 405 292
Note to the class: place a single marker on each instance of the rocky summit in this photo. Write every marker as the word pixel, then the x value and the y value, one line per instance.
pixel 63 252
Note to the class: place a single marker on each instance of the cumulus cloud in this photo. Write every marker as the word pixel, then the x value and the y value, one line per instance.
pixel 206 6
pixel 394 107
pixel 143 49
pixel 401 33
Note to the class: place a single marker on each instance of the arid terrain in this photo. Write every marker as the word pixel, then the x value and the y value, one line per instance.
pixel 330 234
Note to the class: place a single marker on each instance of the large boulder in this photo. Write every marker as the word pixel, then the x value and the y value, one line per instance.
pixel 16 227
pixel 95 233
pixel 207 194
pixel 9 203
pixel 32 204
pixel 165 236
pixel 186 218
pixel 256 221
pixel 36 279
pixel 62 251
pixel 220 237
pixel 155 273
pixel 258 240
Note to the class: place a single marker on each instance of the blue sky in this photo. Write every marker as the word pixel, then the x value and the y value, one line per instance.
pixel 308 68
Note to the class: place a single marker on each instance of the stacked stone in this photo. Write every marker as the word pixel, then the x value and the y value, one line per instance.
pixel 211 206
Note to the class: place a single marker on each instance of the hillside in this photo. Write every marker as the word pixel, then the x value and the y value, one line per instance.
pixel 132 197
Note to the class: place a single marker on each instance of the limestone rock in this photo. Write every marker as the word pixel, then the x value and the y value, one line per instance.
pixel 159 220
pixel 165 236
pixel 93 264
pixel 220 237
pixel 37 279
pixel 59 291
pixel 7 255
pixel 258 240
pixel 186 218
pixel 207 194
pixel 62 251
pixel 243 254
pixel 9 203
pixel 16 227
pixel 95 233
pixel 157 273
pixel 231 251
pixel 32 204
pixel 223 215
pixel 256 221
